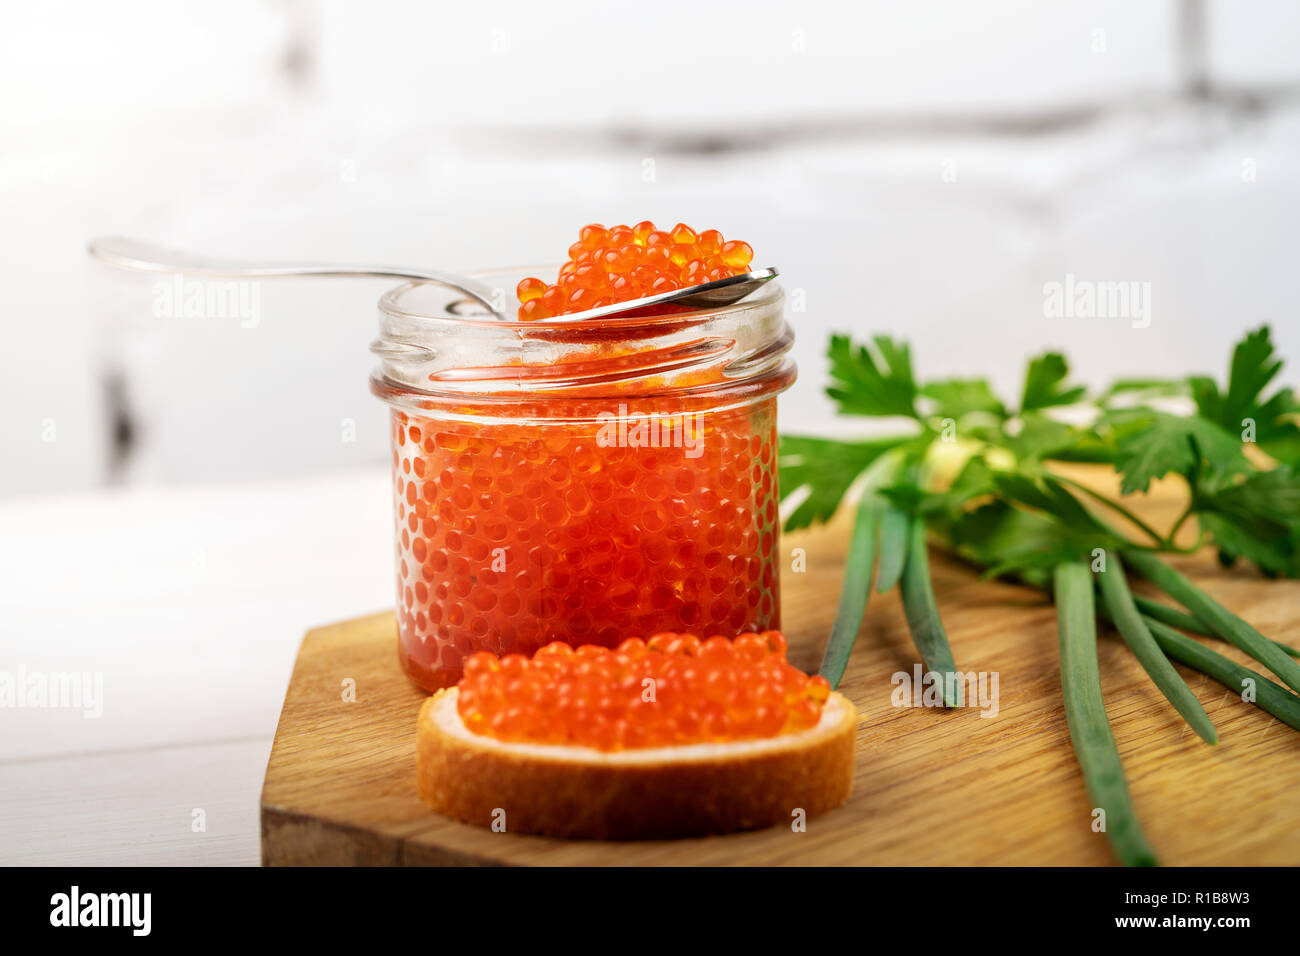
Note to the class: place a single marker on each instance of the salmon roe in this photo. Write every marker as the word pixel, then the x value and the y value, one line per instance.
pixel 606 266
pixel 511 536
pixel 673 689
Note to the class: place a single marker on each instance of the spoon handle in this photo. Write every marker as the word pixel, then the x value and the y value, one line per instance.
pixel 143 256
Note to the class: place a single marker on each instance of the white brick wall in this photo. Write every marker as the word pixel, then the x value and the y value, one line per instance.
pixel 471 135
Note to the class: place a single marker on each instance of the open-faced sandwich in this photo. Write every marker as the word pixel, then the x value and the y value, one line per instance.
pixel 662 738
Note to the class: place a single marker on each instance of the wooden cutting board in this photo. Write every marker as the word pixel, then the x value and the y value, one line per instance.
pixel 931 787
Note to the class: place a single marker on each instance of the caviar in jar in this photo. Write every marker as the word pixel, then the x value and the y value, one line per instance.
pixel 580 482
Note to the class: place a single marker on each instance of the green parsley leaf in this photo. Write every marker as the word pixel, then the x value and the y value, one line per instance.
pixel 1142 389
pixel 1043 386
pixel 1254 365
pixel 975 480
pixel 1171 443
pixel 1243 410
pixel 1258 519
pixel 827 468
pixel 1041 438
pixel 957 397
pixel 1010 540
pixel 1047 494
pixel 1283 444
pixel 867 383
pixel 1273 494
pixel 1252 538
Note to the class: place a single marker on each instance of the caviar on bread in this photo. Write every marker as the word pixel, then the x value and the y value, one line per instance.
pixel 668 737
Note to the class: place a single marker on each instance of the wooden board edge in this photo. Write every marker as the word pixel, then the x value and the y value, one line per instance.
pixel 292 839
pixel 295 839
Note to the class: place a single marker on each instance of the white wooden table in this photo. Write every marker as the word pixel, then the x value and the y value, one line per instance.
pixel 189 602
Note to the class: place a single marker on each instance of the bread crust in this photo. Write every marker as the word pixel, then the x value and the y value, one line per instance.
pixel 580 792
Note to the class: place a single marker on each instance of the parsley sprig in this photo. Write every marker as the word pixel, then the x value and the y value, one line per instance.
pixel 980 475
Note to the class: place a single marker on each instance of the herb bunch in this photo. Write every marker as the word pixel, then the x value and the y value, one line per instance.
pixel 980 476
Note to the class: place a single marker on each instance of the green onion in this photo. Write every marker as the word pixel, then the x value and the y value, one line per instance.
pixel 1170 615
pixel 1184 621
pixel 1115 594
pixel 923 616
pixel 893 548
pixel 853 591
pixel 1085 713
pixel 1222 621
pixel 1274 698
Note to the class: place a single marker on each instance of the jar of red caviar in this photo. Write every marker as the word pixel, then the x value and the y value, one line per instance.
pixel 579 481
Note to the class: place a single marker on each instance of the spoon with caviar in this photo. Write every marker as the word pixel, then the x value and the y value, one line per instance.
pixel 633 275
pixel 630 268
pixel 638 270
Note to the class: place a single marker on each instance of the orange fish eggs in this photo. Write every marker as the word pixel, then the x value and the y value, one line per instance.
pixel 673 689
pixel 606 266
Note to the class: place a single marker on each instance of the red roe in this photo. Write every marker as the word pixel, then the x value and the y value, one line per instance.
pixel 671 690
pixel 607 266
pixel 513 535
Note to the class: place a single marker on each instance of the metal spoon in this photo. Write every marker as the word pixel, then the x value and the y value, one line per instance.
pixel 144 256
pixel 706 295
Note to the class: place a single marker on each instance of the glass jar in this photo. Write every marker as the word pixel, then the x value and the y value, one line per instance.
pixel 583 482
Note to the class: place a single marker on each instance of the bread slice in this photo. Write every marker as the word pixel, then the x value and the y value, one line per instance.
pixel 689 790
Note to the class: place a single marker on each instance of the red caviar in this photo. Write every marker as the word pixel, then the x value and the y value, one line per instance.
pixel 673 689
pixel 606 266
pixel 511 536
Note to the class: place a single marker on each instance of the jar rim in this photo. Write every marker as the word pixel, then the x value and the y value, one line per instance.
pixel 430 355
